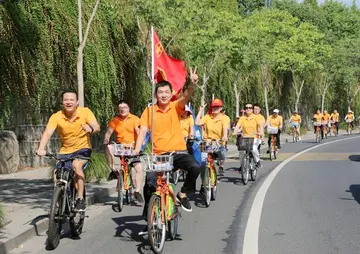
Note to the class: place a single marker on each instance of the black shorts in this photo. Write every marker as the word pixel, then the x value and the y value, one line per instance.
pixel 85 152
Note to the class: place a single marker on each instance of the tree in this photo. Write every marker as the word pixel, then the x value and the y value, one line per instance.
pixel 82 42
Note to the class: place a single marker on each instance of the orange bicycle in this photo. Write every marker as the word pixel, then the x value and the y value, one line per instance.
pixel 333 128
pixel 163 214
pixel 349 128
pixel 274 151
pixel 318 131
pixel 295 133
pixel 124 187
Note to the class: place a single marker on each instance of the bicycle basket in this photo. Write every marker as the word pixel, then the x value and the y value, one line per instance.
pixel 122 150
pixel 272 130
pixel 158 163
pixel 316 124
pixel 245 144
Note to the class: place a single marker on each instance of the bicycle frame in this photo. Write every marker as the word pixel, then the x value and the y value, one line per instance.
pixel 273 142
pixel 124 167
pixel 211 166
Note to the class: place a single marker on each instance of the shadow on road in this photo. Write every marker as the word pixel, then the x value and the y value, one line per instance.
pixel 354 157
pixel 355 191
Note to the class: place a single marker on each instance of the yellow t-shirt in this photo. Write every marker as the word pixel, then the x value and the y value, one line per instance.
pixel 295 118
pixel 350 116
pixel 318 117
pixel 275 122
pixel 186 125
pixel 214 127
pixel 249 125
pixel 327 117
pixel 260 118
pixel 72 136
pixel 227 120
pixel 335 117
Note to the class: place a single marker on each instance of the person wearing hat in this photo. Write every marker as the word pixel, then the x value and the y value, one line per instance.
pixel 350 117
pixel 215 127
pixel 295 121
pixel 187 123
pixel 275 121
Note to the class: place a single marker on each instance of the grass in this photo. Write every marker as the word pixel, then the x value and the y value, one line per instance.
pixel 2 214
pixel 303 130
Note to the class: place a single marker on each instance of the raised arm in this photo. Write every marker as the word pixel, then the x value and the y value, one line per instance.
pixel 198 117
pixel 189 92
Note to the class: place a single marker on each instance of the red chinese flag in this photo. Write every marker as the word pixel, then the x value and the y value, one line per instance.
pixel 168 68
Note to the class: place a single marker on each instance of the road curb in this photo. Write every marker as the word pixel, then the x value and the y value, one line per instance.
pixel 41 225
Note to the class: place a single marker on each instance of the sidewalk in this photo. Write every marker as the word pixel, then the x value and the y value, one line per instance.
pixel 26 197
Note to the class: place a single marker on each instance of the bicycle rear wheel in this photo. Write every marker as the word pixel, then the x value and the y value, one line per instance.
pixel 173 224
pixel 156 228
pixel 214 184
pixel 245 169
pixel 121 192
pixel 77 221
pixel 253 172
pixel 207 187
pixel 55 219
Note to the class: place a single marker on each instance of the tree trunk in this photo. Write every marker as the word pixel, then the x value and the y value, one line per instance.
pixel 237 94
pixel 82 42
pixel 265 85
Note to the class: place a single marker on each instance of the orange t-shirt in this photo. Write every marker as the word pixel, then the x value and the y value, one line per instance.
pixel 168 136
pixel 72 135
pixel 125 129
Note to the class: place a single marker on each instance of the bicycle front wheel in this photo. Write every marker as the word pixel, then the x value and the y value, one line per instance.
pixel 121 192
pixel 77 221
pixel 207 187
pixel 245 169
pixel 156 228
pixel 55 219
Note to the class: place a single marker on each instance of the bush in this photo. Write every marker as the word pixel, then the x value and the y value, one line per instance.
pixel 2 214
pixel 98 168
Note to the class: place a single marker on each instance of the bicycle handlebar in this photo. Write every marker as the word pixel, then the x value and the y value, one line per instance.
pixel 74 157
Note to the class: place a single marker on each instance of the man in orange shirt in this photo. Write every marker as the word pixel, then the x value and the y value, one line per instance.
pixel 167 137
pixel 126 128
pixel 74 124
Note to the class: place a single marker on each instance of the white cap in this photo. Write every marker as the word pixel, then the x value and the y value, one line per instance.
pixel 350 111
pixel 188 109
pixel 276 111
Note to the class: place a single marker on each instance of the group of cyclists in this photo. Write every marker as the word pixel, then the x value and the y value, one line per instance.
pixel 171 125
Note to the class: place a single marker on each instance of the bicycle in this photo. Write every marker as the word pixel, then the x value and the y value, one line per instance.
pixel 63 204
pixel 333 128
pixel 163 214
pixel 318 131
pixel 248 167
pixel 295 133
pixel 273 149
pixel 349 128
pixel 124 186
pixel 211 176
pixel 325 129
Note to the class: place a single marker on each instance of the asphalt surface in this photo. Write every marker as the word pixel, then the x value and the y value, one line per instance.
pixel 298 199
pixel 312 205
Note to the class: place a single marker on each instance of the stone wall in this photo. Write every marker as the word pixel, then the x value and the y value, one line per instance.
pixel 9 152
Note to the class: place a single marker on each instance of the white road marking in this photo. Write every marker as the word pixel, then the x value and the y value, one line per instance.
pixel 251 237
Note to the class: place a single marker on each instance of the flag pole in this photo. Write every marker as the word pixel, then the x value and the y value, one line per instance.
pixel 153 90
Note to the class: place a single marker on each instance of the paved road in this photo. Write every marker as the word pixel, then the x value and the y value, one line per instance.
pixel 219 228
pixel 313 206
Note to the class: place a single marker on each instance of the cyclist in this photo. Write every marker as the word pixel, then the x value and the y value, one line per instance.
pixel 187 123
pixel 351 117
pixel 295 121
pixel 251 126
pixel 169 138
pixel 318 118
pixel 126 128
pixel 74 125
pixel 215 128
pixel 327 120
pixel 335 117
pixel 275 121
pixel 260 118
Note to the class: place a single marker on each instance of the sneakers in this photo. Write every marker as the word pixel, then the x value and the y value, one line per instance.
pixel 144 231
pixel 185 204
pixel 138 197
pixel 80 205
pixel 258 164
pixel 221 171
pixel 202 190
pixel 268 151
pixel 112 176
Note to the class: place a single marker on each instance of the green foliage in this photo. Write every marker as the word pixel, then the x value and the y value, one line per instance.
pixel 97 168
pixel 303 130
pixel 2 213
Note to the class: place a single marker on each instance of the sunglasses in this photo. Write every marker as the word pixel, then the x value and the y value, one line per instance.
pixel 248 107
